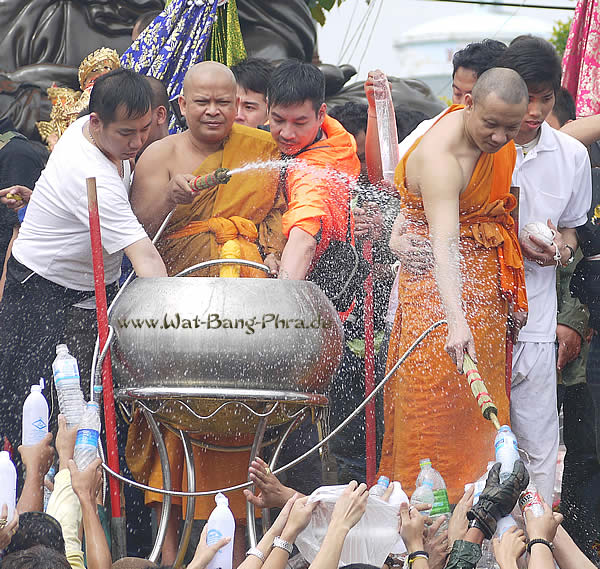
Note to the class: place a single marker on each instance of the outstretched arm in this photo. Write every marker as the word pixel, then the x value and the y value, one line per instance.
pixel 585 129
pixel 155 192
pixel 440 181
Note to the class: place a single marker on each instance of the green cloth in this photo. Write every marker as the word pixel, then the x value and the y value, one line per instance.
pixel 464 555
pixel 575 315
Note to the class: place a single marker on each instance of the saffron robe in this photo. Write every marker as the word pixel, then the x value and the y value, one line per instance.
pixel 248 209
pixel 429 408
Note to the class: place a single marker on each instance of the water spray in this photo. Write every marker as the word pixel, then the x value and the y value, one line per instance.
pixel 480 392
pixel 219 176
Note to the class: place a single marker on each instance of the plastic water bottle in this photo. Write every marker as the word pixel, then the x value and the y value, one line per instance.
pixel 423 495
pixel 503 524
pixel 386 126
pixel 479 484
pixel 487 559
pixel 397 497
pixel 35 417
pixel 531 500
pixel 441 505
pixel 507 452
pixel 86 443
pixel 68 388
pixel 47 492
pixel 220 524
pixel 381 486
pixel 8 484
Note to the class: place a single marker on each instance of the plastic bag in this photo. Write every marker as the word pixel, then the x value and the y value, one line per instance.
pixel 369 541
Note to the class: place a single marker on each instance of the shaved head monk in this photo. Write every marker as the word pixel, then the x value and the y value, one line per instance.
pixel 455 183
pixel 245 213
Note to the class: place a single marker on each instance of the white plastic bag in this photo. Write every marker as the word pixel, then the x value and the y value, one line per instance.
pixel 369 541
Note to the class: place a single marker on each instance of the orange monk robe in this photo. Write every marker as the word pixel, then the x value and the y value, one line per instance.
pixel 318 187
pixel 248 209
pixel 429 408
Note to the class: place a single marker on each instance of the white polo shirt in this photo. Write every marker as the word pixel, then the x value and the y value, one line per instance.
pixel 555 183
pixel 54 239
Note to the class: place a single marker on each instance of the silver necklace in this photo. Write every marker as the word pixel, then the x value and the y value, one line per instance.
pixel 120 167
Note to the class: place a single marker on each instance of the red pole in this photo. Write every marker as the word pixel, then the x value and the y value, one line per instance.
pixel 370 429
pixel 110 418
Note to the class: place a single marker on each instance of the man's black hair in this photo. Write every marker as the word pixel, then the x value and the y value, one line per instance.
pixel 478 56
pixel 160 97
pixel 253 74
pixel 407 120
pixel 352 116
pixel 294 82
pixel 120 88
pixel 535 60
pixel 37 557
pixel 564 107
pixel 145 20
pixel 37 528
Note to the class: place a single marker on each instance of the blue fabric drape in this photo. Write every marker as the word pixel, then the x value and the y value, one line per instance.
pixel 172 43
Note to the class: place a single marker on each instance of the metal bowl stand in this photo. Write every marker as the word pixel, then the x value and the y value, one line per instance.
pixel 150 400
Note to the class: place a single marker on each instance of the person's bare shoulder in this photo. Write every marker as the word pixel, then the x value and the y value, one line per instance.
pixel 159 153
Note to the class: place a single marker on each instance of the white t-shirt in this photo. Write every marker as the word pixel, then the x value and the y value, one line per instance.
pixel 555 183
pixel 54 239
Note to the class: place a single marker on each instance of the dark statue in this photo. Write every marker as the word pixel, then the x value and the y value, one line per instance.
pixel 44 41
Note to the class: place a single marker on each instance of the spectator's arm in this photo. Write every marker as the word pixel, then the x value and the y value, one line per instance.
pixel 37 460
pixel 63 504
pixel 271 492
pixel 85 485
pixel 567 554
pixel 585 129
pixel 348 510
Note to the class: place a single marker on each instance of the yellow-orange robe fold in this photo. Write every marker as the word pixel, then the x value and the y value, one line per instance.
pixel 429 409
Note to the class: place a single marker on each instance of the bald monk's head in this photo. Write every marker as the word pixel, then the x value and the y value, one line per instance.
pixel 209 101
pixel 495 108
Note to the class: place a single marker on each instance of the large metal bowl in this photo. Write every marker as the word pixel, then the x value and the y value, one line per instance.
pixel 232 338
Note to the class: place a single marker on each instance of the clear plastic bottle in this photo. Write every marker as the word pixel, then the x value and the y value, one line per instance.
pixel 479 484
pixel 35 417
pixel 441 505
pixel 47 492
pixel 86 443
pixel 68 388
pixel 382 485
pixel 503 524
pixel 507 451
pixel 8 484
pixel 487 559
pixel 531 500
pixel 386 126
pixel 423 495
pixel 397 497
pixel 221 523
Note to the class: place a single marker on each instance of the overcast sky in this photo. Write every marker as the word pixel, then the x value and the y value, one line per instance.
pixel 366 43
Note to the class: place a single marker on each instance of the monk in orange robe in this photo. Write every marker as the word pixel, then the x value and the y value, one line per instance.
pixel 246 212
pixel 455 183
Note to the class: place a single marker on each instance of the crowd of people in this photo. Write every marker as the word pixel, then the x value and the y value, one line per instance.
pixel 445 238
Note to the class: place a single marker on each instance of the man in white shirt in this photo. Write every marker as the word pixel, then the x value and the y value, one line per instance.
pixel 50 279
pixel 553 174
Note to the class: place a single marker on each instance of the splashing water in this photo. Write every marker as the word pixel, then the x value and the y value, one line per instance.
pixel 266 165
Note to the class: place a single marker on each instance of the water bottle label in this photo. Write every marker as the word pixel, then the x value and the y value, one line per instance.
pixel 66 371
pixel 212 536
pixel 441 504
pixel 40 426
pixel 87 437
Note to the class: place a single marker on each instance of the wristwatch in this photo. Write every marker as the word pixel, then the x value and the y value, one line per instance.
pixel 571 255
pixel 256 552
pixel 282 544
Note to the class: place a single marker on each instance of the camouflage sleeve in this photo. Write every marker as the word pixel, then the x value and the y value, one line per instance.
pixel 464 555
